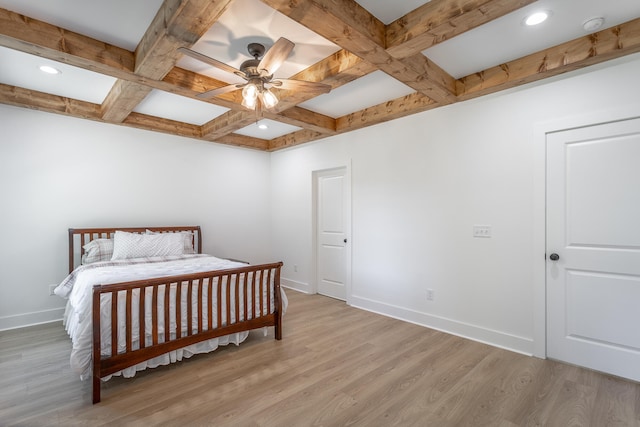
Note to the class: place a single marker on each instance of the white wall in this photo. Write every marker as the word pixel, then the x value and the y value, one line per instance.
pixel 418 186
pixel 420 183
pixel 58 172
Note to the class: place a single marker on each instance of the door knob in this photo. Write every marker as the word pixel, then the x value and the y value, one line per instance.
pixel 345 240
pixel 554 257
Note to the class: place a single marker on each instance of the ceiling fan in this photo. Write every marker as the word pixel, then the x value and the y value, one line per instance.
pixel 259 75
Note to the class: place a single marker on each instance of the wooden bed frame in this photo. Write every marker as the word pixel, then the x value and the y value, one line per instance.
pixel 222 284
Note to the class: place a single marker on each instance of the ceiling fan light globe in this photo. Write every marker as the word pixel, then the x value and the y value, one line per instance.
pixel 249 103
pixel 269 99
pixel 250 92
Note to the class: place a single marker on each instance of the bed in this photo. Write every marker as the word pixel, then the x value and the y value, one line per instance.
pixel 144 297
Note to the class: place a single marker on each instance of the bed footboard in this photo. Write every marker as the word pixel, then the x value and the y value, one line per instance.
pixel 169 313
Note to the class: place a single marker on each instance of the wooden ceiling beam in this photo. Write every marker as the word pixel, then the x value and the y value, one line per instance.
pixel 34 100
pixel 123 97
pixel 390 110
pixel 157 124
pixel 40 101
pixel 243 141
pixel 380 113
pixel 227 123
pixel 294 138
pixel 353 28
pixel 434 74
pixel 354 23
pixel 441 20
pixel 301 117
pixel 39 38
pixel 177 23
pixel 338 69
pixel 595 48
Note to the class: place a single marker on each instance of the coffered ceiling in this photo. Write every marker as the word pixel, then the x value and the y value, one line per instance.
pixel 384 60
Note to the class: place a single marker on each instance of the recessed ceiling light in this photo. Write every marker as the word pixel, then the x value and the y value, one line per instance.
pixel 536 18
pixel 263 126
pixel 593 24
pixel 49 69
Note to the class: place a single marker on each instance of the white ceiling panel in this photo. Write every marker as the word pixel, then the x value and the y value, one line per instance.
pixel 273 129
pixel 388 11
pixel 507 38
pixel 251 21
pixel 176 107
pixel 367 91
pixel 118 22
pixel 23 70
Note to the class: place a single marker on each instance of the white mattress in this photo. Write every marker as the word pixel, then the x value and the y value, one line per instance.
pixel 77 287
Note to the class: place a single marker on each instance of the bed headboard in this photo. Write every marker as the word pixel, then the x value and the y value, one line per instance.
pixel 78 237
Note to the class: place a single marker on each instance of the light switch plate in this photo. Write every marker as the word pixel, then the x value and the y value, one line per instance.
pixel 481 231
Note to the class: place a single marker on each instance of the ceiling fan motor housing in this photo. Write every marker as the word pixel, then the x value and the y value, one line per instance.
pixel 256 50
pixel 250 67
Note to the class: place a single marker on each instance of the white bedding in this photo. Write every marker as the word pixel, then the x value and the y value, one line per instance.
pixel 77 287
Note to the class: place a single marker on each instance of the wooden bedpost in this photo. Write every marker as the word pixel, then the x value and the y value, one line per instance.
pixel 96 344
pixel 198 232
pixel 278 299
pixel 71 233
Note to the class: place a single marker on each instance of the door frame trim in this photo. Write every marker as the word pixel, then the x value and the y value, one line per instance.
pixel 540 132
pixel 314 228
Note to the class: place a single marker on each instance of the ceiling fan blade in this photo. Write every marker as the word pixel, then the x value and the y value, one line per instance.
pixel 208 60
pixel 301 85
pixel 275 56
pixel 219 91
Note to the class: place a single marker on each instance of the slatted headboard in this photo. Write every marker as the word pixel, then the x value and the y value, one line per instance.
pixel 78 237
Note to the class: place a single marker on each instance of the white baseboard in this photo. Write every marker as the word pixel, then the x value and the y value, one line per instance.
pixel 298 286
pixel 30 319
pixel 454 327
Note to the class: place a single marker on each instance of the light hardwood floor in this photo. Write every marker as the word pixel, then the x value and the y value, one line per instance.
pixel 336 366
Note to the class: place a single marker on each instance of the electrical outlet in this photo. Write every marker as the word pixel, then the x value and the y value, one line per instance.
pixel 430 295
pixel 51 288
pixel 482 231
pixel 295 268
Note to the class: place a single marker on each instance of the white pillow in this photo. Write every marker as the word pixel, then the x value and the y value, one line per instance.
pixel 97 250
pixel 134 245
pixel 188 240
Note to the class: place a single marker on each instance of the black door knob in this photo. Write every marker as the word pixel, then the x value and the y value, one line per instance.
pixel 554 257
pixel 345 240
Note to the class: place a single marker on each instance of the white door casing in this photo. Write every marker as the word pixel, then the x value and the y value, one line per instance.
pixel 332 225
pixel 593 225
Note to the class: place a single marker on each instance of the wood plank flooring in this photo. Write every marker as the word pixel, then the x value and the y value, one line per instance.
pixel 336 366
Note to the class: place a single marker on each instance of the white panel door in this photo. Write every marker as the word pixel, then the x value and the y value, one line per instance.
pixel 332 237
pixel 593 247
